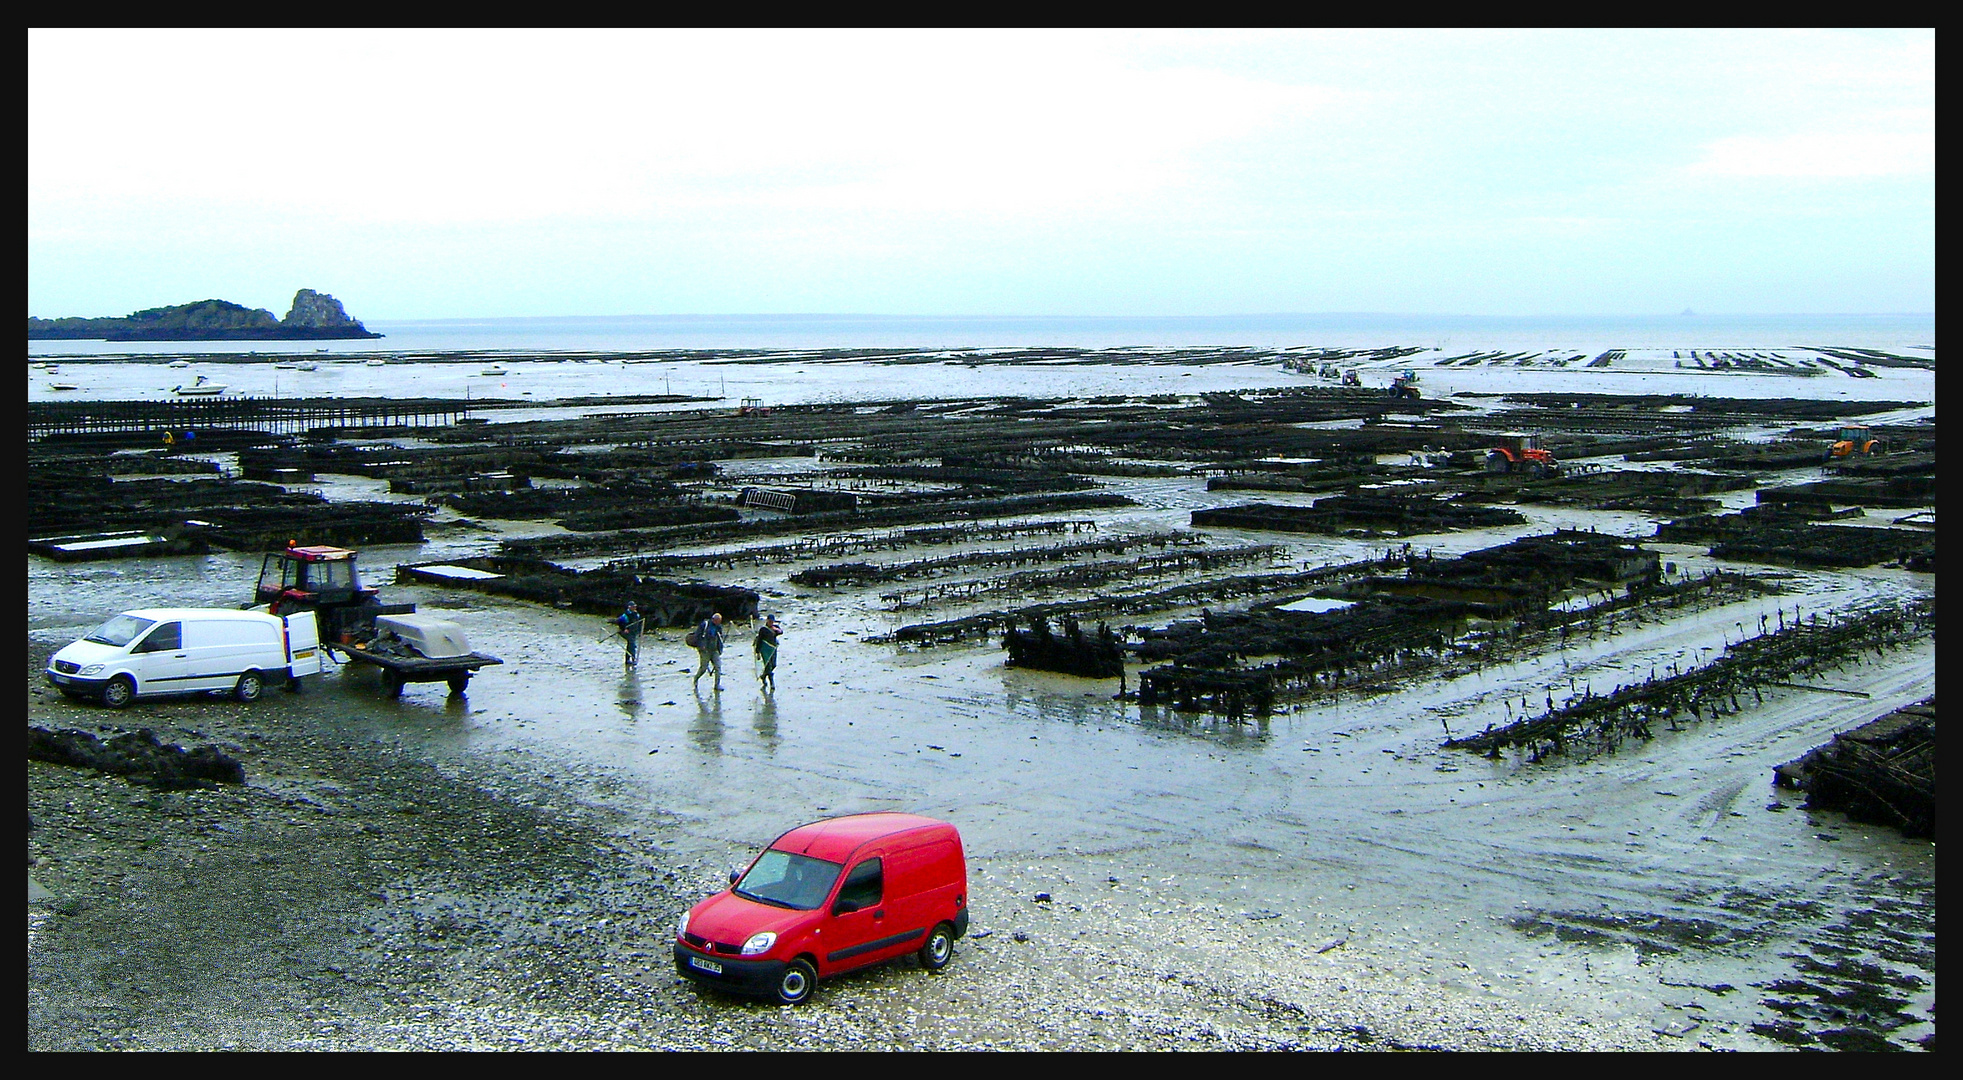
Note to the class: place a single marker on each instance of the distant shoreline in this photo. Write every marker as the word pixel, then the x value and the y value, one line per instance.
pixel 303 333
pixel 314 317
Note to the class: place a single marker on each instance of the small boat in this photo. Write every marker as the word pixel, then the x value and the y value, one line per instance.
pixel 180 363
pixel 374 363
pixel 289 367
pixel 63 386
pixel 308 366
pixel 204 387
pixel 494 370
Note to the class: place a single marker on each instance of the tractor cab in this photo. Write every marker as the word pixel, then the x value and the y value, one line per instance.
pixel 321 578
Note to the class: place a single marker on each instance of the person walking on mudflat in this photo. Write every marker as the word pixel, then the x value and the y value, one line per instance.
pixel 766 650
pixel 708 646
pixel 631 624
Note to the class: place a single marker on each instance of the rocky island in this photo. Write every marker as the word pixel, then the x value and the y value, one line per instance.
pixel 314 317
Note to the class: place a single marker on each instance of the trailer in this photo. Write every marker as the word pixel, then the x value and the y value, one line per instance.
pixel 356 627
pixel 416 648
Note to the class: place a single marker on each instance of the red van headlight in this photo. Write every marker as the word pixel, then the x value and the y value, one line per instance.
pixel 759 943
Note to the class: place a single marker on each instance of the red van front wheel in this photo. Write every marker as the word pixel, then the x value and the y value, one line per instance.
pixel 794 985
pixel 939 948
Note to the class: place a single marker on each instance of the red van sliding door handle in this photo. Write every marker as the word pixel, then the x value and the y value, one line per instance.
pixel 880 914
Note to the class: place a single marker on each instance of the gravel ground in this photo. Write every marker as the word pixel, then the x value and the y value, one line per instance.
pixel 357 894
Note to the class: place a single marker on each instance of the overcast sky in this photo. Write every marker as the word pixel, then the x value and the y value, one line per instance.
pixel 482 174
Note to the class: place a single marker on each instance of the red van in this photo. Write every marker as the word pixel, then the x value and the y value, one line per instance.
pixel 829 897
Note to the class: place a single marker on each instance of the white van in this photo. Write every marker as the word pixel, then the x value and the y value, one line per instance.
pixel 160 651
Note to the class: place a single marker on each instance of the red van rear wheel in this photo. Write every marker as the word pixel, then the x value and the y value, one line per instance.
pixel 794 985
pixel 939 948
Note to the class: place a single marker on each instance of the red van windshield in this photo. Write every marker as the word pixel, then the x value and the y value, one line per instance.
pixel 786 880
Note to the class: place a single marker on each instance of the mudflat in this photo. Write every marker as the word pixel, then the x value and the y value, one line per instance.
pixel 356 893
pixel 1519 796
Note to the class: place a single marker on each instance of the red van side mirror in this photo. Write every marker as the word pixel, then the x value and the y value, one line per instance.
pixel 844 907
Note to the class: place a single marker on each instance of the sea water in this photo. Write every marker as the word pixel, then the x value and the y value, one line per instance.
pixel 1464 332
pixel 546 359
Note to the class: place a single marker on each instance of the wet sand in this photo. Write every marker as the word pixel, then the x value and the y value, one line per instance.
pixel 367 891
pixel 1479 892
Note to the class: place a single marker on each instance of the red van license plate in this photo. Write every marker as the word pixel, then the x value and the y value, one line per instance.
pixel 709 966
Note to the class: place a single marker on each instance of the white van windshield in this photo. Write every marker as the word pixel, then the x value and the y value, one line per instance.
pixel 786 880
pixel 119 631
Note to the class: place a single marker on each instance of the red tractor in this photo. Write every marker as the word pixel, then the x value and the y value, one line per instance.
pixel 1401 388
pixel 1519 453
pixel 323 580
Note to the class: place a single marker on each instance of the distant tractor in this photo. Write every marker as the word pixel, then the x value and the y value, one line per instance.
pixel 1852 439
pixel 753 406
pixel 1520 453
pixel 1402 389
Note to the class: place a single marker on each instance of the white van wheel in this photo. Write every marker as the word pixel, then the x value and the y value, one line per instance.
pixel 119 692
pixel 250 686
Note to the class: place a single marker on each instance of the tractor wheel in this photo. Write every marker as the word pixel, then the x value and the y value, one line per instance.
pixel 1497 462
pixel 458 682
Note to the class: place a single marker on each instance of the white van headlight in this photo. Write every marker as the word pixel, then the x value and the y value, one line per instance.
pixel 682 927
pixel 92 669
pixel 759 943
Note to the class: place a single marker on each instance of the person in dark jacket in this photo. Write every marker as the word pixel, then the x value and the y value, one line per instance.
pixel 631 624
pixel 708 647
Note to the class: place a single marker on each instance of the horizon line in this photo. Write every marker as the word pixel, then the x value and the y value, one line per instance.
pixel 1113 318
